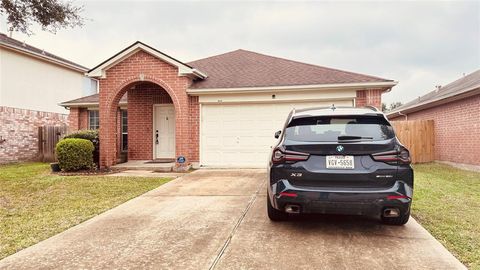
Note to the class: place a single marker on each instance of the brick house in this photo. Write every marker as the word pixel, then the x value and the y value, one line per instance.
pixel 218 111
pixel 455 110
pixel 32 83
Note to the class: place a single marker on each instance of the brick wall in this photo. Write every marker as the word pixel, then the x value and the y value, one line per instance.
pixel 372 97
pixel 77 119
pixel 140 118
pixel 139 68
pixel 457 129
pixel 19 129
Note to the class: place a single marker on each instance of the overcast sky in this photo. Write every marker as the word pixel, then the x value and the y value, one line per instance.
pixel 418 44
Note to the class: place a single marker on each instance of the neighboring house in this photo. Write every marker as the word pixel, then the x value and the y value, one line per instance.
pixel 455 110
pixel 32 83
pixel 219 111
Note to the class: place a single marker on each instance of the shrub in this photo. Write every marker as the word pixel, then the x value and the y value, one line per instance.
pixel 87 134
pixel 91 135
pixel 75 154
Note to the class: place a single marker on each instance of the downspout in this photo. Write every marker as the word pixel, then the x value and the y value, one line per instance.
pixel 402 114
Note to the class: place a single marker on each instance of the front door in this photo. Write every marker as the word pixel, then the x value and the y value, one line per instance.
pixel 164 131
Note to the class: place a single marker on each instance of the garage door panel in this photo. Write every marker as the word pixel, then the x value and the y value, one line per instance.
pixel 241 135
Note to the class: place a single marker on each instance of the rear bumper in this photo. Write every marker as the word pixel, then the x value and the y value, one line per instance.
pixel 357 201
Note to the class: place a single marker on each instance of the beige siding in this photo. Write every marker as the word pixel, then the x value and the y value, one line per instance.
pixel 30 83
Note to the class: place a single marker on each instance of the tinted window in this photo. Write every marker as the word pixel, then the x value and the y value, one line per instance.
pixel 328 129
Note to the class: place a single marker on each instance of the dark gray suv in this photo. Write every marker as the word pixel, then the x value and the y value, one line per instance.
pixel 339 160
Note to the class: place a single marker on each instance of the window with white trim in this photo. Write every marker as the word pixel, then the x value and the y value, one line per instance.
pixel 93 119
pixel 124 127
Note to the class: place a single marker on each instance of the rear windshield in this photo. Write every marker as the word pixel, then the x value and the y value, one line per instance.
pixel 333 129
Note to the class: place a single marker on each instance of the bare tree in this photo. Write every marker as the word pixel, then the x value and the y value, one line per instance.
pixel 384 107
pixel 51 15
pixel 395 105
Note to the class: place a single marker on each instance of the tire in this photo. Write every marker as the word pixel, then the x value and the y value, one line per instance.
pixel 397 221
pixel 274 214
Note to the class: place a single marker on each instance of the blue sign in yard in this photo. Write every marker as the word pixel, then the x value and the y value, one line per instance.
pixel 181 159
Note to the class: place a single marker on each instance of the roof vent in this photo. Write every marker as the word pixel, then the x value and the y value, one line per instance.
pixel 437 87
pixel 43 52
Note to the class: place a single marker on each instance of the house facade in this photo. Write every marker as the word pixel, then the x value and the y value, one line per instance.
pixel 220 111
pixel 455 110
pixel 32 84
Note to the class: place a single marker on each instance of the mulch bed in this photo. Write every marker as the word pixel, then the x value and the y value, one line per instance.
pixel 89 172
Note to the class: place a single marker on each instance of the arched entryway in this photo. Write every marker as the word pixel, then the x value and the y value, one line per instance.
pixel 151 123
pixel 148 77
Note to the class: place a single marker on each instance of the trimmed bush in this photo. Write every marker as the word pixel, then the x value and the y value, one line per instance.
pixel 91 135
pixel 87 134
pixel 75 154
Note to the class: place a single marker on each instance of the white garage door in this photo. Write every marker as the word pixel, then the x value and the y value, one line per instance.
pixel 241 135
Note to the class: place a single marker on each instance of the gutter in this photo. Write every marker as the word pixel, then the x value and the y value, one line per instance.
pixel 85 104
pixel 402 114
pixel 436 102
pixel 353 86
pixel 44 57
pixel 198 73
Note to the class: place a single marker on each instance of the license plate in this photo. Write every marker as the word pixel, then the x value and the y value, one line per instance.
pixel 340 162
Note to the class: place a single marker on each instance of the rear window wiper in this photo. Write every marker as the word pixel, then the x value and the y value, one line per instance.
pixel 350 137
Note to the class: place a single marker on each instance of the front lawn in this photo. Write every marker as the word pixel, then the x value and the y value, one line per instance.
pixel 446 202
pixel 35 204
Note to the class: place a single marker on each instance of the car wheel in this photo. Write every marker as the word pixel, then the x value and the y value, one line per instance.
pixel 274 214
pixel 400 220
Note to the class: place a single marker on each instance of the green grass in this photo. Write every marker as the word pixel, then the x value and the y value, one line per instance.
pixel 447 203
pixel 35 204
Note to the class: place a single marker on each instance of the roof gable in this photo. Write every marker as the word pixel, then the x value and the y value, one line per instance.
pixel 183 69
pixel 241 68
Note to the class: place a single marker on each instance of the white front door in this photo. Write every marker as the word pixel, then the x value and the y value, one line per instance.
pixel 164 131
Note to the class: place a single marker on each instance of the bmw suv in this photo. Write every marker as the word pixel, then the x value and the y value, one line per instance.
pixel 339 160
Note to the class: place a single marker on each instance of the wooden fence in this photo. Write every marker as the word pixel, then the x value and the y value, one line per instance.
pixel 419 137
pixel 48 136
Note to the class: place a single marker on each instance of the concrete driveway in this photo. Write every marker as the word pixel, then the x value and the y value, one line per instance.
pixel 215 219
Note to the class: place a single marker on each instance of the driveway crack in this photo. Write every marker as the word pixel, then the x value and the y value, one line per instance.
pixel 235 227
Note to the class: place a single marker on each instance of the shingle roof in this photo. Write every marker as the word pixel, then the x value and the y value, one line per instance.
pixel 16 44
pixel 463 85
pixel 243 68
pixel 90 100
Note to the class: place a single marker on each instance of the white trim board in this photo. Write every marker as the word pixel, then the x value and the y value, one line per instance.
pixel 183 69
pixel 312 87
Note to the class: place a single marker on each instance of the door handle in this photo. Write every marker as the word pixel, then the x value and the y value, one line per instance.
pixel 156 136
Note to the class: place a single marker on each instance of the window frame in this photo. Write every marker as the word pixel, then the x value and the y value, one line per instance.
pixel 123 123
pixel 90 111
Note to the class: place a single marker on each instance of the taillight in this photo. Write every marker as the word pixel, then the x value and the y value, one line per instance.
pixel 396 197
pixel 393 157
pixel 288 194
pixel 280 155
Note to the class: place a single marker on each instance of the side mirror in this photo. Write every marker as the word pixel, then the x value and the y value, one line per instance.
pixel 277 134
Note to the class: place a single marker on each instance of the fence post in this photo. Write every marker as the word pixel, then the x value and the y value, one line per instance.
pixel 40 144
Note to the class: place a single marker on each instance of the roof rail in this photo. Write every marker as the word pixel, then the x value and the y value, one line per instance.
pixel 373 108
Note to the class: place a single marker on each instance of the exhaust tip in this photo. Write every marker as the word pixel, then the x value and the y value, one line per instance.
pixel 292 209
pixel 391 212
